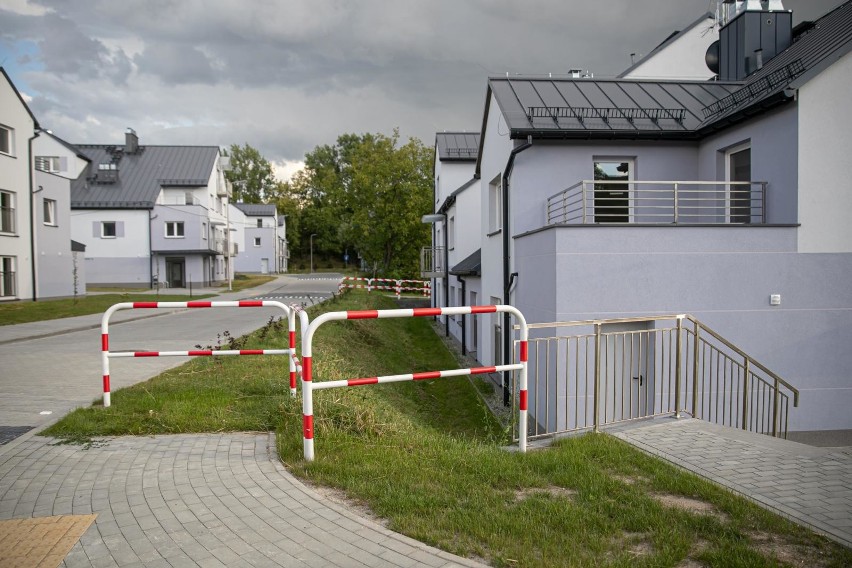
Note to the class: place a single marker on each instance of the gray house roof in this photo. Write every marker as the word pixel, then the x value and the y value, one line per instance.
pixel 457 146
pixel 568 108
pixel 471 266
pixel 256 209
pixel 140 175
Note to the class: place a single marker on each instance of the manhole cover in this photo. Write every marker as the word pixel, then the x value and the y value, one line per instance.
pixel 9 433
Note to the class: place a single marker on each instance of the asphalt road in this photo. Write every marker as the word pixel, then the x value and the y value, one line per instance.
pixel 42 379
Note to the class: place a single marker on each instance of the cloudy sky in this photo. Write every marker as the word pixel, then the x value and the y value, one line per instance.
pixel 288 75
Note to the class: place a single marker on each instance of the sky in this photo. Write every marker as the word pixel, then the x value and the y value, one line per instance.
pixel 286 76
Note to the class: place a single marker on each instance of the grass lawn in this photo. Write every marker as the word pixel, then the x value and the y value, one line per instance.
pixel 427 457
pixel 25 312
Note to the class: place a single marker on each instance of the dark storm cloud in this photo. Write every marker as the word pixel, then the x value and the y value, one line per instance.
pixel 286 76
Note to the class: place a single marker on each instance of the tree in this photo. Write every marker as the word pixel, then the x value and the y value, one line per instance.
pixel 251 175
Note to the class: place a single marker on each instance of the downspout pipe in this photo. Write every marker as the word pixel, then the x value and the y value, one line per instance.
pixel 446 276
pixel 507 280
pixel 464 317
pixel 33 224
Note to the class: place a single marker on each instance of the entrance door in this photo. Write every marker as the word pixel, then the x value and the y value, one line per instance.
pixel 264 266
pixel 739 169
pixel 612 200
pixel 175 271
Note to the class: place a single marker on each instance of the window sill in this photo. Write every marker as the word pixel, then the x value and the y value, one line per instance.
pixel 106 237
pixel 168 237
pixel 51 225
pixel 497 232
pixel 8 234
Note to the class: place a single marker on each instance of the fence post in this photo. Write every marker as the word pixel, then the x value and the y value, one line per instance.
pixel 597 375
pixel 584 211
pixel 675 203
pixel 775 401
pixel 695 352
pixel 678 361
pixel 747 368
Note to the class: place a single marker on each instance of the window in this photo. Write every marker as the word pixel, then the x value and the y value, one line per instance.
pixel 108 230
pixel 495 205
pixel 188 198
pixel 7 276
pixel 739 170
pixel 50 212
pixel 260 223
pixel 6 140
pixel 204 231
pixel 612 198
pixel 48 163
pixel 174 229
pixel 7 212
pixel 257 241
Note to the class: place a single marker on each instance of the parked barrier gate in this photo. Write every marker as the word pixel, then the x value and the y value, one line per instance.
pixel 106 354
pixel 308 386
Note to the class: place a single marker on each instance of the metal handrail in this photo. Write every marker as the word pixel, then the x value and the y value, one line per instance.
pixel 675 202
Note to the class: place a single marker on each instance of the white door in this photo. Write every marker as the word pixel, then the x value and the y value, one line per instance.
pixel 264 266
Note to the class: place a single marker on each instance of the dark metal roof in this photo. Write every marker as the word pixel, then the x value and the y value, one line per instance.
pixel 568 108
pixel 471 266
pixel 457 146
pixel 256 209
pixel 546 107
pixel 140 176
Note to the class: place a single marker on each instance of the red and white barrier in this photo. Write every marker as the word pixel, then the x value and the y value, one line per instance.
pixel 397 286
pixel 308 385
pixel 106 354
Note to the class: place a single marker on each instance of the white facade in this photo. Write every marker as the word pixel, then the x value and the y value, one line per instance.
pixel 17 128
pixel 825 190
pixel 680 57
pixel 119 259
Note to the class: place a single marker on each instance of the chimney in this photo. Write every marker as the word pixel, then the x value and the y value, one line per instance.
pixel 131 142
pixel 753 33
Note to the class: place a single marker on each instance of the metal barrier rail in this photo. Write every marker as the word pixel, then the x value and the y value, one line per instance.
pixel 308 386
pixel 425 286
pixel 106 354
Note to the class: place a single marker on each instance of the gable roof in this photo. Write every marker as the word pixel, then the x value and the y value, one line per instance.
pixel 68 146
pixel 457 146
pixel 141 175
pixel 568 108
pixel 20 98
pixel 256 209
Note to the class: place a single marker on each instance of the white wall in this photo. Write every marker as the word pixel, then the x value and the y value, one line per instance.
pixel 14 178
pixel 123 260
pixel 825 145
pixel 71 165
pixel 683 58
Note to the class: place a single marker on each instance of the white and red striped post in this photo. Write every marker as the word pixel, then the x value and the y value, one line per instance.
pixel 308 386
pixel 106 354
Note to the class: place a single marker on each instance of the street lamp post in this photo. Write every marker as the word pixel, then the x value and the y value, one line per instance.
pixel 312 251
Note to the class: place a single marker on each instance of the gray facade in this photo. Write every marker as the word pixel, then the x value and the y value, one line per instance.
pixel 55 272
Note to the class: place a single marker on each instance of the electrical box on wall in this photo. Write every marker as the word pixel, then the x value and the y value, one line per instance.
pixel 775 299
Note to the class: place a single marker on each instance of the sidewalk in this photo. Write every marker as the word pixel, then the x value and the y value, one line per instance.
pixel 809 485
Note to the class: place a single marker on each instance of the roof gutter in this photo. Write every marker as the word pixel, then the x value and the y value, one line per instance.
pixel 507 279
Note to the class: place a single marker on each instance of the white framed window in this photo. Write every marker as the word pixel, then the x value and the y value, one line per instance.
pixel 50 212
pixel 260 223
pixel 7 212
pixel 50 164
pixel 174 229
pixel 7 140
pixel 495 205
pixel 257 241
pixel 7 277
pixel 204 231
pixel 738 203
pixel 612 191
pixel 108 230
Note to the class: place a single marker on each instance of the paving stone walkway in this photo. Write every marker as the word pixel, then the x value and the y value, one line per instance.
pixel 810 485
pixel 210 500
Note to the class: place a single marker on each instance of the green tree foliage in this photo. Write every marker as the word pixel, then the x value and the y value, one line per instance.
pixel 251 175
pixel 366 194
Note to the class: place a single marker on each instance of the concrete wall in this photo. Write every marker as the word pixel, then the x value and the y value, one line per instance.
pixel 123 260
pixel 55 270
pixel 825 198
pixel 724 277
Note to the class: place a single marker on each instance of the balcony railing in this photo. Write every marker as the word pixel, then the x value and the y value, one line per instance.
pixel 7 285
pixel 432 262
pixel 659 203
pixel 7 219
